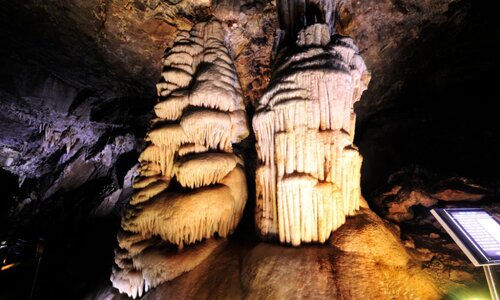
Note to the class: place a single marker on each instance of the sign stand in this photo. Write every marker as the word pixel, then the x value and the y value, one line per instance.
pixel 477 234
pixel 491 277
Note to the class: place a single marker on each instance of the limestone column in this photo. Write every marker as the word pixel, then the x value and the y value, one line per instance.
pixel 308 177
pixel 191 184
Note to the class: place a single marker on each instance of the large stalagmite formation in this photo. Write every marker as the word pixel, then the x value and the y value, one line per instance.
pixel 365 259
pixel 191 184
pixel 308 179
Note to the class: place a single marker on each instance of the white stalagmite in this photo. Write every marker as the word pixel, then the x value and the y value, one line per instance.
pixel 142 181
pixel 128 281
pixel 308 177
pixel 159 265
pixel 189 148
pixel 173 217
pixel 171 107
pixel 148 192
pixel 204 169
pixel 191 184
pixel 211 128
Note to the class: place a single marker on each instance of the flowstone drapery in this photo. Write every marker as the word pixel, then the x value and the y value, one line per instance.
pixel 308 178
pixel 192 185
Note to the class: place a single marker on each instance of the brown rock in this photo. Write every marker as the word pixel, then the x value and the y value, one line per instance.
pixel 433 235
pixel 401 210
pixel 457 195
pixel 461 276
pixel 416 186
pixel 364 260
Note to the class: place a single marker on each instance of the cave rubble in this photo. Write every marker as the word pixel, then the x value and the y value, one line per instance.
pixel 414 186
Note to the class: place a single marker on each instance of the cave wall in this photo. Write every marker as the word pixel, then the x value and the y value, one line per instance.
pixel 427 59
pixel 433 100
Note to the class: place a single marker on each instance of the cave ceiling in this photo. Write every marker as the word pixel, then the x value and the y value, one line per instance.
pixel 102 59
pixel 115 46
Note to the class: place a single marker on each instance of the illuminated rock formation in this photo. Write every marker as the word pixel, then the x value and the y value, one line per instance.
pixel 308 179
pixel 192 185
pixel 364 259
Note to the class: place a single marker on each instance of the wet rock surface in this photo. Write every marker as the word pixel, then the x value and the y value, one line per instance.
pixel 345 267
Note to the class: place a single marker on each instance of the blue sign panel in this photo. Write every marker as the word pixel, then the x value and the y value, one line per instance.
pixel 475 231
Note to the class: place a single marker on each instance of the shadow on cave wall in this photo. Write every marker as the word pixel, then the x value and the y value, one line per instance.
pixel 444 118
pixel 64 82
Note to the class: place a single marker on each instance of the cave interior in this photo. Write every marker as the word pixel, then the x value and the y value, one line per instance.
pixel 77 93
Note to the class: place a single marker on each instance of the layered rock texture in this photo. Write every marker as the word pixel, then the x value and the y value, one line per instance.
pixel 344 268
pixel 77 92
pixel 308 178
pixel 191 184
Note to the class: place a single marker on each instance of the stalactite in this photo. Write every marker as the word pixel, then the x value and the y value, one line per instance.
pixel 297 15
pixel 199 116
pixel 309 172
pixel 211 128
pixel 204 169
pixel 149 191
pixel 171 107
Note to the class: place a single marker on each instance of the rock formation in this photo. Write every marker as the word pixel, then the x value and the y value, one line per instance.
pixel 308 179
pixel 343 268
pixel 71 134
pixel 192 185
pixel 415 186
pixel 295 15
